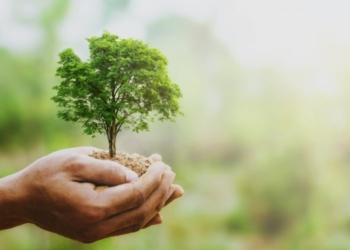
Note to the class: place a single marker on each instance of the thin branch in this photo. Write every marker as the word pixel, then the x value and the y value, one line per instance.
pixel 117 89
pixel 98 91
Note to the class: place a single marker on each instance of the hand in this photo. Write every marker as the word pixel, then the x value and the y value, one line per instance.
pixel 57 193
pixel 176 192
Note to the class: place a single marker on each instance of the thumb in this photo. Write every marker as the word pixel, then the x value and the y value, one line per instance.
pixel 102 172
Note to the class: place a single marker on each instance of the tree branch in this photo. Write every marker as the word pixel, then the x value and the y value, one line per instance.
pixel 116 90
pixel 98 91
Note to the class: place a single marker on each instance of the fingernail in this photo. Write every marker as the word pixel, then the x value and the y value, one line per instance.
pixel 130 176
pixel 170 192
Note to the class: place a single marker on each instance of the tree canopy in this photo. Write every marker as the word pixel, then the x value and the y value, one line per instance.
pixel 124 84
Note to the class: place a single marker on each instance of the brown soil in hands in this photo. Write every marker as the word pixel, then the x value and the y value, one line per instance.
pixel 135 162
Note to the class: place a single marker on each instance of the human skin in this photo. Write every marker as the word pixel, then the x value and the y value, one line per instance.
pixel 57 193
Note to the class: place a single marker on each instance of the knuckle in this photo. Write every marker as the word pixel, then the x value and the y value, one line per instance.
pixel 74 162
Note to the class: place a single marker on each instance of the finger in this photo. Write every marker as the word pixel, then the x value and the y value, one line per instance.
pixel 155 157
pixel 179 191
pixel 125 230
pixel 100 172
pixel 136 219
pixel 156 220
pixel 124 197
pixel 165 198
pixel 168 167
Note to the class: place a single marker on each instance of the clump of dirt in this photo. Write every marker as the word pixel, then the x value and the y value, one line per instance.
pixel 135 162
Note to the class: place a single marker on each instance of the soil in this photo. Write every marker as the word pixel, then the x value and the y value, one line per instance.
pixel 135 162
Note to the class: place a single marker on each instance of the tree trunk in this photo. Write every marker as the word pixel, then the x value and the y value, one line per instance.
pixel 112 139
pixel 112 146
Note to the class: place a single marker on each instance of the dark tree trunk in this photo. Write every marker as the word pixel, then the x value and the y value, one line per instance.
pixel 112 139
pixel 112 145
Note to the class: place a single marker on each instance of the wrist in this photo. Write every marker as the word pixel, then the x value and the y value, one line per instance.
pixel 11 202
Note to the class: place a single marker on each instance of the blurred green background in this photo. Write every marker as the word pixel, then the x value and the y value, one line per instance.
pixel 263 151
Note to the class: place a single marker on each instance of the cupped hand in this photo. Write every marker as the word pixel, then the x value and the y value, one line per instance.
pixel 58 194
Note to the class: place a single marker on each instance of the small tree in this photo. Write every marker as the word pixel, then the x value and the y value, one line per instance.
pixel 124 84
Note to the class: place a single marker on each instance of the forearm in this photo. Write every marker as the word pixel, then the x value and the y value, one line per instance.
pixel 11 202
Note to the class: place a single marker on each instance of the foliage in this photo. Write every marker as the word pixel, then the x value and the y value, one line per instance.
pixel 260 149
pixel 124 84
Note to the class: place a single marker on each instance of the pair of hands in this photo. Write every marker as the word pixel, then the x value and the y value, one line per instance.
pixel 57 193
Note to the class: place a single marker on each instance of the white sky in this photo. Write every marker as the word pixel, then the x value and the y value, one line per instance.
pixel 296 33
